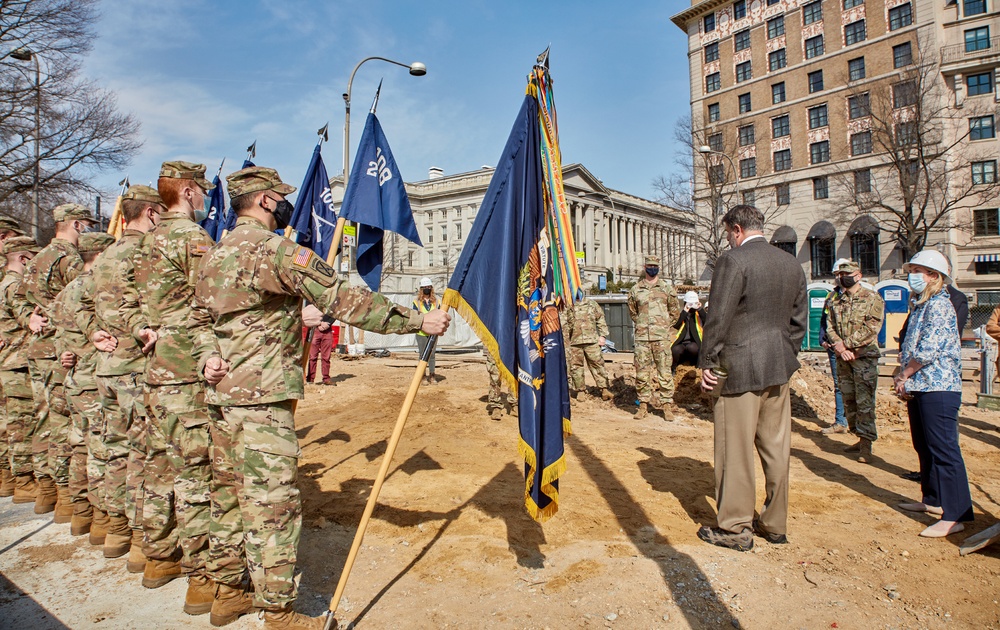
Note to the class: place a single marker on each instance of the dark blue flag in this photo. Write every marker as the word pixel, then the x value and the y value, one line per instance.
pixel 314 220
pixel 216 203
pixel 376 199
pixel 503 286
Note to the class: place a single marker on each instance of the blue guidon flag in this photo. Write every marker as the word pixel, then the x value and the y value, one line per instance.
pixel 314 220
pixel 503 286
pixel 214 223
pixel 376 199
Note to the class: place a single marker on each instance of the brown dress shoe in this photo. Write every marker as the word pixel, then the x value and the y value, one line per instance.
pixel 99 527
pixel 200 595
pixel 230 604
pixel 25 488
pixel 160 572
pixel 136 562
pixel 6 483
pixel 285 618
pixel 45 500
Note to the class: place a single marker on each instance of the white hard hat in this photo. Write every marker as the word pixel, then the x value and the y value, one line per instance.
pixel 691 298
pixel 932 259
pixel 426 282
pixel 839 262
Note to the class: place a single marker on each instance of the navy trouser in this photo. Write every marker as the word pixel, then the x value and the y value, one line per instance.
pixel 934 429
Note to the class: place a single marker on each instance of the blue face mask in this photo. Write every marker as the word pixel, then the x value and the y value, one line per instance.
pixel 652 271
pixel 917 282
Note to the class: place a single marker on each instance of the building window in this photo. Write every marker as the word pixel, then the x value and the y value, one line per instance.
pixel 981 128
pixel 900 16
pixel 778 93
pixel 819 152
pixel 715 142
pixel 812 12
pixel 815 81
pixel 814 47
pixel 444 232
pixel 709 23
pixel 783 160
pixel 984 172
pixel 904 94
pixel 458 231
pixel 746 135
pixel 776 27
pixel 782 194
pixel 864 250
pixel 776 60
pixel 987 222
pixel 850 4
pixel 713 112
pixel 772 2
pixel 744 72
pixel 822 251
pixel 857 106
pixel 863 181
pixel 977 39
pixel 856 69
pixel 817 117
pixel 430 233
pixel 861 143
pixel 821 189
pixel 741 40
pixel 906 133
pixel 902 55
pixel 744 103
pixel 979 83
pixel 779 126
pixel 716 174
pixel 855 32
pixel 786 247
pixel 740 9
pixel 713 82
pixel 430 258
pixel 712 52
pixel 748 168
pixel 750 197
pixel 973 7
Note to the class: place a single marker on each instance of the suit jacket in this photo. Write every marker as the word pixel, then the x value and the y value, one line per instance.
pixel 757 316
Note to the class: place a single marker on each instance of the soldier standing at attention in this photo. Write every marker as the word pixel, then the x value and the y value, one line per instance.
pixel 654 308
pixel 17 252
pixel 852 328
pixel 46 275
pixel 255 373
pixel 8 229
pixel 585 330
pixel 175 507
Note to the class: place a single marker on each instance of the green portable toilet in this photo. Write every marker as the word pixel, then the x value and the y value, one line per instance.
pixel 816 292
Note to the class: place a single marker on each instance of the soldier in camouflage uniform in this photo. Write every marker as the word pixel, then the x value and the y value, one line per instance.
pixel 46 275
pixel 496 400
pixel 655 308
pixel 255 368
pixel 15 313
pixel 852 327
pixel 584 331
pixel 76 354
pixel 175 507
pixel 8 229
pixel 120 367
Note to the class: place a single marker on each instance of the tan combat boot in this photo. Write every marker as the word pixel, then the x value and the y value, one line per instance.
pixel 25 488
pixel 230 604
pixel 606 394
pixel 99 527
pixel 867 453
pixel 641 413
pixel 119 538
pixel 159 572
pixel 285 618
pixel 495 414
pixel 64 505
pixel 6 483
pixel 200 594
pixel 83 518
pixel 45 500
pixel 136 559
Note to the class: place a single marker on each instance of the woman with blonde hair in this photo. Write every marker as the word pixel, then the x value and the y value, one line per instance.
pixel 930 380
pixel 426 301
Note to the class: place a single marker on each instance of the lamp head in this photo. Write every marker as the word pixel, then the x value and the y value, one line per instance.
pixel 704 149
pixel 418 69
pixel 22 54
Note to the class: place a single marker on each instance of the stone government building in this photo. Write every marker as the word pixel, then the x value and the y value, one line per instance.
pixel 611 229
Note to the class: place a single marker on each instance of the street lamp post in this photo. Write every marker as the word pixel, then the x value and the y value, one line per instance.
pixel 707 150
pixel 24 54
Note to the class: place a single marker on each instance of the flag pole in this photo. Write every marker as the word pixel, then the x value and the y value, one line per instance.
pixel 382 472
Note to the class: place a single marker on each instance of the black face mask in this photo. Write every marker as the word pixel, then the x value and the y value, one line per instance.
pixel 848 281
pixel 282 213
pixel 652 271
pixel 426 291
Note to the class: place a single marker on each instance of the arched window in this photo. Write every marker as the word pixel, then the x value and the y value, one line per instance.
pixel 785 238
pixel 864 244
pixel 822 248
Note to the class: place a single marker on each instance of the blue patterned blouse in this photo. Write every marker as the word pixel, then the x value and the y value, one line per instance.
pixel 932 340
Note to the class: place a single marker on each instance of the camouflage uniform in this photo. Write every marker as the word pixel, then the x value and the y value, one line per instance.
pixel 247 307
pixel 583 326
pixel 495 398
pixel 14 371
pixel 176 509
pixel 856 320
pixel 654 308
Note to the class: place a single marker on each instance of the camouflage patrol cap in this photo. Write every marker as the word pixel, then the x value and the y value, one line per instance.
pixel 186 170
pixel 8 224
pixel 255 179
pixel 72 212
pixel 139 192
pixel 17 244
pixel 847 266
pixel 94 242
pixel 652 261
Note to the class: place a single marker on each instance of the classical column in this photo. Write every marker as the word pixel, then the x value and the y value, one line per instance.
pixel 578 232
pixel 588 228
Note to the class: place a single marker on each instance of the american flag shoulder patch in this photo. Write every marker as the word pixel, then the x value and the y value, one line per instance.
pixel 302 257
pixel 199 249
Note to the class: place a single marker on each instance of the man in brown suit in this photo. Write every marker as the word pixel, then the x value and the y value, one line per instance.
pixel 753 333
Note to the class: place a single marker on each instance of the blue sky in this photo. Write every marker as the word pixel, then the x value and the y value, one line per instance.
pixel 208 78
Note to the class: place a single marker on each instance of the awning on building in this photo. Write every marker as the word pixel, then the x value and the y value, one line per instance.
pixel 986 258
pixel 822 230
pixel 784 234
pixel 863 225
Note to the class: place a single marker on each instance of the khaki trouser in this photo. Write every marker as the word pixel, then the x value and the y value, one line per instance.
pixel 742 421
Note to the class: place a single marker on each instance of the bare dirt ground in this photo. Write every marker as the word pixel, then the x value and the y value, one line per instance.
pixel 450 544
